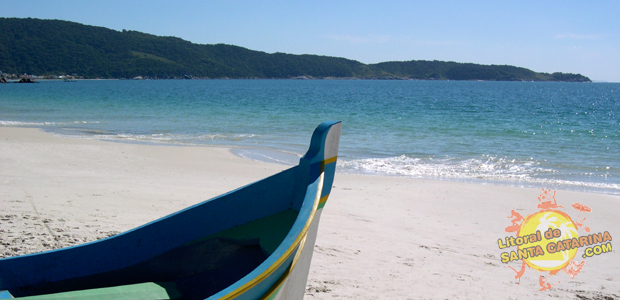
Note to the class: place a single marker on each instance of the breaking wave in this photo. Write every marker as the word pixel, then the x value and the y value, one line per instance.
pixel 486 168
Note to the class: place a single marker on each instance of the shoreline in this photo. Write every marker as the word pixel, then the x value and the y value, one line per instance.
pixel 303 77
pixel 275 156
pixel 415 236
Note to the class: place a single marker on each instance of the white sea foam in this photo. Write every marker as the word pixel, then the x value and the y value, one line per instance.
pixel 486 168
pixel 17 123
pixel 26 124
pixel 159 138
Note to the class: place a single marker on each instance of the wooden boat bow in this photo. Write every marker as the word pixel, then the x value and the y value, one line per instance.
pixel 255 242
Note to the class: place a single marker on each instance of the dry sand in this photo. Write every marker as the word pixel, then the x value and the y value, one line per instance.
pixel 379 238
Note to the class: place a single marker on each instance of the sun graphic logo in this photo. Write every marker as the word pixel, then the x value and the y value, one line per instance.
pixel 557 228
pixel 548 240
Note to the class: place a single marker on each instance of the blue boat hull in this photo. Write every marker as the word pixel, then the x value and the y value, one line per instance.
pixel 255 242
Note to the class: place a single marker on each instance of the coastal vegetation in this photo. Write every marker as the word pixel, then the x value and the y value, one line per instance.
pixel 55 47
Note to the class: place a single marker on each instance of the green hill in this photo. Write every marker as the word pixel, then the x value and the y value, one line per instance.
pixel 54 47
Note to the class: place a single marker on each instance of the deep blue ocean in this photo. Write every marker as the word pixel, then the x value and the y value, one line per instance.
pixel 535 134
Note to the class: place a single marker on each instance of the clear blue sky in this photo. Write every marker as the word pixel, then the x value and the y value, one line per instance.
pixel 545 36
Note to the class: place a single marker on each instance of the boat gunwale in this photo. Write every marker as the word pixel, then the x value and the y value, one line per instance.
pixel 287 253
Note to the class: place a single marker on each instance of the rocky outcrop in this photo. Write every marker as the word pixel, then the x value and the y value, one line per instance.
pixel 26 80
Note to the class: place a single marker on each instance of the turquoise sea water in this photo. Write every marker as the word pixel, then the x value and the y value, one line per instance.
pixel 538 134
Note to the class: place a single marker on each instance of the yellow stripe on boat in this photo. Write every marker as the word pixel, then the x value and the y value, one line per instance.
pixel 296 244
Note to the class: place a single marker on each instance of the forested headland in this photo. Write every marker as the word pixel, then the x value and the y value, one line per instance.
pixel 55 47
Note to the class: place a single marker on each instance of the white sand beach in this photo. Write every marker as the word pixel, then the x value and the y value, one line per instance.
pixel 379 237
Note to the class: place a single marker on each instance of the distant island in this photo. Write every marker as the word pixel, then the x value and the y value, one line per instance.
pixel 54 47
